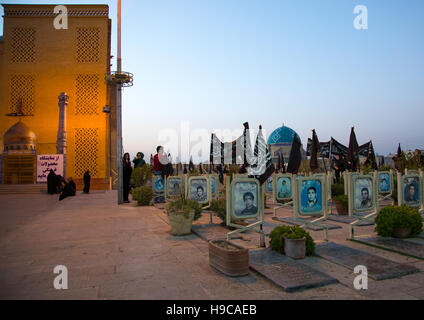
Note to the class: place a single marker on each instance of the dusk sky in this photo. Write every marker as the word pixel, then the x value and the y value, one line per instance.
pixel 220 63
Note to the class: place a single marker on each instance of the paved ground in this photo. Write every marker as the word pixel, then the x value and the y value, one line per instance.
pixel 127 252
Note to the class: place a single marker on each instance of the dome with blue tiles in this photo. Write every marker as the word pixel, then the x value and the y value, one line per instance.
pixel 282 135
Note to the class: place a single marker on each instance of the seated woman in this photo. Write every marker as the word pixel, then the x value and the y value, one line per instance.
pixel 69 189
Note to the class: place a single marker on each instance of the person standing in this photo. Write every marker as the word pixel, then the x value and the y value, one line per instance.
pixel 139 161
pixel 51 183
pixel 127 170
pixel 339 167
pixel 87 181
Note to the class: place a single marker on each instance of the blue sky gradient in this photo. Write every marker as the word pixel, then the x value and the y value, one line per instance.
pixel 219 63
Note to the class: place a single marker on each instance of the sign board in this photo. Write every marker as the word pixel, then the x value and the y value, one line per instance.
pixel 363 194
pixel 45 163
pixel 409 190
pixel 198 189
pixel 385 182
pixel 245 198
pixel 174 186
pixel 311 196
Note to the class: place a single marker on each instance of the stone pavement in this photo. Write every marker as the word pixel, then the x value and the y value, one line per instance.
pixel 127 252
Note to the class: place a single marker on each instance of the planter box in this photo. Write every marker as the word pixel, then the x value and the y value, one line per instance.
pixel 402 233
pixel 180 225
pixel 295 248
pixel 339 207
pixel 230 259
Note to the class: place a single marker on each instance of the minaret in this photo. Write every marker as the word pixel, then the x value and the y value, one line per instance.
pixel 61 133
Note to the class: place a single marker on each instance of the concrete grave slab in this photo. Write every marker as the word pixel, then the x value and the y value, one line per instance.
pixel 401 246
pixel 378 268
pixel 348 220
pixel 287 273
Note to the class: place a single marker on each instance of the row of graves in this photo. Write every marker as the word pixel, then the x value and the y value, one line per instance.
pixel 309 199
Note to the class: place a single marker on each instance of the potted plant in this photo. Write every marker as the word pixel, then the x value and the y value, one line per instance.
pixel 230 259
pixel 399 222
pixel 143 195
pixel 293 241
pixel 181 213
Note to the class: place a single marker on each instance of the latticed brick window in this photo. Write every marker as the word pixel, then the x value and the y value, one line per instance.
pixel 88 45
pixel 86 151
pixel 22 91
pixel 87 97
pixel 23 45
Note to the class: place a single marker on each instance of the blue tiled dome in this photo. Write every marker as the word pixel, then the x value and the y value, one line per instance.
pixel 282 135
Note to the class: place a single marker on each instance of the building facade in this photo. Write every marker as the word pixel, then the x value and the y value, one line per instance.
pixel 280 142
pixel 39 62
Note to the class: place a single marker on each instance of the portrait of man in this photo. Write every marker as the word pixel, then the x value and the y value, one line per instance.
pixel 363 194
pixel 412 194
pixel 245 196
pixel 284 188
pixel 159 185
pixel 174 187
pixel 384 182
pixel 213 185
pixel 311 193
pixel 269 185
pixel 250 208
pixel 199 190
pixel 366 201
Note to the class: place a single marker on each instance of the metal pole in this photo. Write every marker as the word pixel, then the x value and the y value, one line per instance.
pixel 119 117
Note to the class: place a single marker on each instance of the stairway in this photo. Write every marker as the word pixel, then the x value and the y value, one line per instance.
pixel 22 189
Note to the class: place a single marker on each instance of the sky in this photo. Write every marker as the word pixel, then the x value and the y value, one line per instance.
pixel 216 64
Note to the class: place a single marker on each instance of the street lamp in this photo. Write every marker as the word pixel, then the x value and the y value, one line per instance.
pixel 120 79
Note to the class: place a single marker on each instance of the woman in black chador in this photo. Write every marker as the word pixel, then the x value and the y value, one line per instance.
pixel 51 183
pixel 127 176
pixel 87 179
pixel 69 189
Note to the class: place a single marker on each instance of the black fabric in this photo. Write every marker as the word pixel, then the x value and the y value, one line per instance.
pixel 185 169
pixel 262 168
pixel 87 182
pixel 127 171
pixel 295 158
pixel 191 165
pixel 338 148
pixel 69 190
pixel 352 154
pixel 51 183
pixel 59 180
pixel 315 147
pixel 323 146
pixel 367 150
pixel 399 152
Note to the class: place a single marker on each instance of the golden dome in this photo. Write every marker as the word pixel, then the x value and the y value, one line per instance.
pixel 19 134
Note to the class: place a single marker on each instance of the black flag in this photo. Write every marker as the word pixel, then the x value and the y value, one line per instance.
pixel 191 165
pixel 295 156
pixel 352 154
pixel 399 152
pixel 263 167
pixel 314 151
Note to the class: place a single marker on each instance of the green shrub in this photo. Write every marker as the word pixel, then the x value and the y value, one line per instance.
pixel 140 176
pixel 219 206
pixel 290 232
pixel 344 200
pixel 337 189
pixel 185 205
pixel 385 168
pixel 391 218
pixel 143 195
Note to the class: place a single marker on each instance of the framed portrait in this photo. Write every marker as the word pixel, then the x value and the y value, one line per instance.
pixel 158 184
pixel 198 189
pixel 411 193
pixel 174 186
pixel 363 196
pixel 283 187
pixel 214 184
pixel 385 182
pixel 268 186
pixel 311 193
pixel 245 198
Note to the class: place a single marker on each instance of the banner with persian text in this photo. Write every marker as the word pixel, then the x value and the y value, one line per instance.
pixel 45 163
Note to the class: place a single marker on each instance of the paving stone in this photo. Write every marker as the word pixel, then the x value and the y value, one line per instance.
pixel 378 268
pixel 287 273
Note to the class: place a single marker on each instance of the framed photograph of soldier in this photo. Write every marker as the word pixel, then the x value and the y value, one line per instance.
pixel 198 189
pixel 385 182
pixel 214 185
pixel 363 193
pixel 283 187
pixel 409 190
pixel 174 186
pixel 158 184
pixel 245 198
pixel 310 196
pixel 269 185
